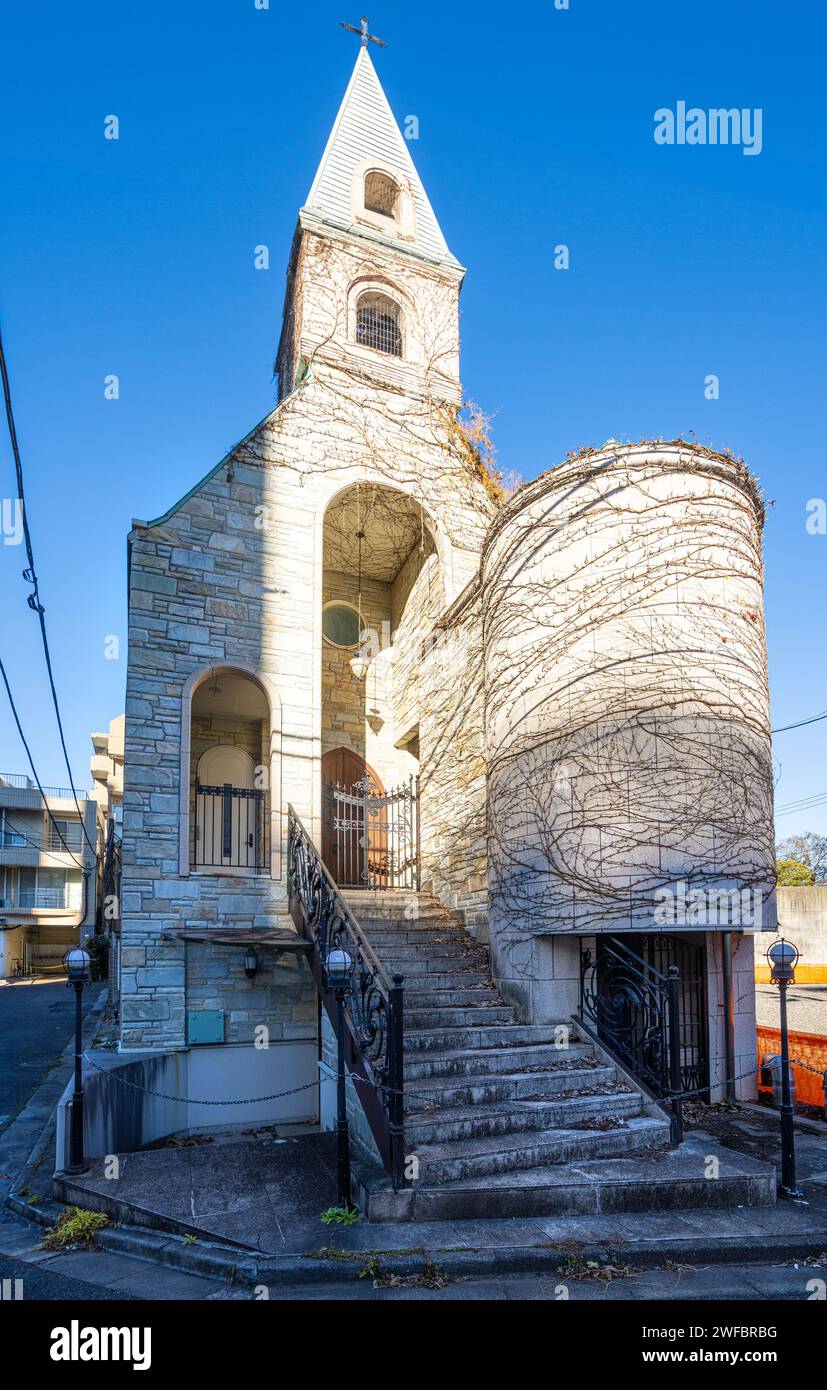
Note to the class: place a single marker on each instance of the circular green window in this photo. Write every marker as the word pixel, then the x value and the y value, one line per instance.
pixel 340 624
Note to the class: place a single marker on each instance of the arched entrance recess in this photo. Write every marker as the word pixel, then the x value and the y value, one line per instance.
pixel 343 842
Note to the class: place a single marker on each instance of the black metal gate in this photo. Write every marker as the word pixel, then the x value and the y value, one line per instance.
pixel 372 838
pixel 660 951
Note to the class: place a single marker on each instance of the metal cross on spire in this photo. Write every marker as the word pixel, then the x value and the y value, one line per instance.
pixel 363 33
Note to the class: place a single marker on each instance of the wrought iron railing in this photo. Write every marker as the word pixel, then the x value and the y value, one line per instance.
pixel 634 1010
pixel 18 781
pixel 373 1011
pixel 228 827
pixel 372 838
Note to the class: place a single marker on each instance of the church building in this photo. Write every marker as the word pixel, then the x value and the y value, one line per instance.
pixel 512 754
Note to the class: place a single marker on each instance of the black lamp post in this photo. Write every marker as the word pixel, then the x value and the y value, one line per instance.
pixel 77 965
pixel 339 968
pixel 782 957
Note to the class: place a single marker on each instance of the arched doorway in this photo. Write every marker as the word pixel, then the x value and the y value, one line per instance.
pixel 349 859
pixel 229 768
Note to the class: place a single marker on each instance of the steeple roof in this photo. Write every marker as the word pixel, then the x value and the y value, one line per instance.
pixel 365 129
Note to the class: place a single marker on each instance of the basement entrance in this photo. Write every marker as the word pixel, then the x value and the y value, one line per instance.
pixel 621 978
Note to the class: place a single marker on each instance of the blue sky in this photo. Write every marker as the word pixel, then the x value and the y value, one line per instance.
pixel 135 257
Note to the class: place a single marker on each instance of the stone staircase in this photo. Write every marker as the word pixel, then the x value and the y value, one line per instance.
pixel 508 1119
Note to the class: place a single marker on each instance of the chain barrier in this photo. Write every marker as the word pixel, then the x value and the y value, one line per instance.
pixel 354 1077
pixel 188 1100
pixel 691 1095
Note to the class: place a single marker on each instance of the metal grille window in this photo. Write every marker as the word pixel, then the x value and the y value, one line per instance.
pixel 381 194
pixel 63 835
pixel 378 324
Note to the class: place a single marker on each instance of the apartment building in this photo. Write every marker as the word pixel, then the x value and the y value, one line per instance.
pixel 47 873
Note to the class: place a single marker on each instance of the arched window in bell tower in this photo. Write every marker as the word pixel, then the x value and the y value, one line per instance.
pixel 379 323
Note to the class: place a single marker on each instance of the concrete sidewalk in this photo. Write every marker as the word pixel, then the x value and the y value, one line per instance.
pixel 243 1210
pixel 254 1206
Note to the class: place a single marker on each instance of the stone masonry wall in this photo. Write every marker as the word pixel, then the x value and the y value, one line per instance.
pixel 232 577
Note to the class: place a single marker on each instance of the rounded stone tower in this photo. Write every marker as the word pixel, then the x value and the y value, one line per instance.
pixel 627 706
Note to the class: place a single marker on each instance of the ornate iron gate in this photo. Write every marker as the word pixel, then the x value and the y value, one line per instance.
pixel 690 957
pixel 374 836
pixel 625 988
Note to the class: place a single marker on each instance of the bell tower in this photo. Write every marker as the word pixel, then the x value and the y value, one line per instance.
pixel 372 288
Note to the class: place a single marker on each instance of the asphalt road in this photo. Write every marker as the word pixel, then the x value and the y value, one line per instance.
pixel 36 1022
pixel 806 1007
pixel 38 1284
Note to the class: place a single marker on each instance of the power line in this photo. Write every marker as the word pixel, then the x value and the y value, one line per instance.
pixel 34 769
pixel 814 720
pixel 807 804
pixel 35 844
pixel 30 575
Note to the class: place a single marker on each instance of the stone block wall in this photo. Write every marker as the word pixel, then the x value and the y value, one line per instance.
pixel 453 770
pixel 232 578
pixel 280 998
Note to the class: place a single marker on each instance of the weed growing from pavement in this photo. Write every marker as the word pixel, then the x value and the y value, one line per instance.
pixel 74 1226
pixel 339 1216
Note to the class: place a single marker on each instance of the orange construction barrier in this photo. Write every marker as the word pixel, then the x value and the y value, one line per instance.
pixel 804 1047
pixel 804 974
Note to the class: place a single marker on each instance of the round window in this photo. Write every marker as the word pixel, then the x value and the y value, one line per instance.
pixel 340 624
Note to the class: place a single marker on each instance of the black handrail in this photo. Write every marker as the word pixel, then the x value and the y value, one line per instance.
pixel 373 1011
pixel 634 1010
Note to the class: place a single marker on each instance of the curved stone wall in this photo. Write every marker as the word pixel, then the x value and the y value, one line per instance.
pixel 627 707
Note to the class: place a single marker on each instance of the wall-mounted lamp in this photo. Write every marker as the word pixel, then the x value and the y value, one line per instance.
pixel 250 962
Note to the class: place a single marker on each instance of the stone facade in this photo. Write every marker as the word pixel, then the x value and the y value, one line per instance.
pixel 233 579
pixel 489 633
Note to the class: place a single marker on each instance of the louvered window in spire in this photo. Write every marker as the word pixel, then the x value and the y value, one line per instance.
pixel 381 194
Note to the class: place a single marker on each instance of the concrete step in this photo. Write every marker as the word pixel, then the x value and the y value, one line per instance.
pixel 448 1017
pixel 469 978
pixel 420 973
pixel 512 1117
pixel 399 907
pixel 408 934
pixel 442 1093
pixel 660 1181
pixel 454 1039
pixel 506 1153
pixel 491 1060
pixel 429 956
pixel 452 997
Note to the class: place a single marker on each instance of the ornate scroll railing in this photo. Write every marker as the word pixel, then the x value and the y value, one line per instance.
pixel 634 1010
pixel 373 1006
pixel 373 840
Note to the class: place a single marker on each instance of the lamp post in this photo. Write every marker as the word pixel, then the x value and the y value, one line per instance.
pixel 782 957
pixel 339 968
pixel 77 963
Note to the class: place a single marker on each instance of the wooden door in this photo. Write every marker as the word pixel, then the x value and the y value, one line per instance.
pixel 343 767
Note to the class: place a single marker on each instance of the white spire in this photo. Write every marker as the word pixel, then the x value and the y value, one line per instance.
pixel 365 129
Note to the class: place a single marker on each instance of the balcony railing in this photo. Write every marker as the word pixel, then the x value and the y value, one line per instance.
pixel 49 842
pixel 20 782
pixel 229 827
pixel 59 899
pixel 72 840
